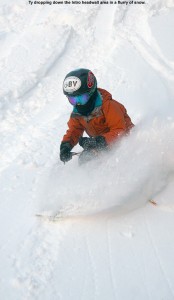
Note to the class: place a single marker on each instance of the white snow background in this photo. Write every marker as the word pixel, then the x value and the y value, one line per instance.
pixel 112 243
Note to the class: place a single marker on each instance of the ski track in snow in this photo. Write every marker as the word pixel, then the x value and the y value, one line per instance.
pixel 106 257
pixel 160 263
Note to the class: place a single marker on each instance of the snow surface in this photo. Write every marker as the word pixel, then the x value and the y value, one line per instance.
pixel 112 244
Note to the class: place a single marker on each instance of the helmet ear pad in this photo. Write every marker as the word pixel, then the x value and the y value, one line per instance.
pixel 79 82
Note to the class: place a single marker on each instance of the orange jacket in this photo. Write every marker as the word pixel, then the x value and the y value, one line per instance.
pixel 109 120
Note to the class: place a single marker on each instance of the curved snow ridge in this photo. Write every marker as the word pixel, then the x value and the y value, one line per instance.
pixel 30 62
pixel 11 25
pixel 154 57
pixel 138 32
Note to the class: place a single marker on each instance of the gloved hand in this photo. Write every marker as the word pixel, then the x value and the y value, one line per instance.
pixel 65 151
pixel 87 143
pixel 98 143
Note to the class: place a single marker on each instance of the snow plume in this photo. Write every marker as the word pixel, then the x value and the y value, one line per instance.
pixel 135 171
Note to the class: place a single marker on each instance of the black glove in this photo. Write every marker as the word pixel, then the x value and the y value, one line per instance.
pixel 98 143
pixel 65 151
pixel 87 143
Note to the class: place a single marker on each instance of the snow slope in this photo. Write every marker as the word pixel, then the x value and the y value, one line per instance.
pixel 113 244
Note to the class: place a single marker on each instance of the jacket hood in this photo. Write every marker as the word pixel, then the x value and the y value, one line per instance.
pixel 106 97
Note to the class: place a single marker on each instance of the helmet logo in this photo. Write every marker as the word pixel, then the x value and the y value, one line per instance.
pixel 71 84
pixel 90 80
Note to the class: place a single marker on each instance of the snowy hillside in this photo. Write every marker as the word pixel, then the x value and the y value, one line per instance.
pixel 112 244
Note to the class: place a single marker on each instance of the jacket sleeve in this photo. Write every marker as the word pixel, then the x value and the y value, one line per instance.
pixel 115 119
pixel 74 131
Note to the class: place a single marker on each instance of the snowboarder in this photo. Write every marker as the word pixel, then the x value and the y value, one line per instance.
pixel 94 112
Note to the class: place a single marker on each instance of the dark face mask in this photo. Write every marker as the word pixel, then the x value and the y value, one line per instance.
pixel 87 108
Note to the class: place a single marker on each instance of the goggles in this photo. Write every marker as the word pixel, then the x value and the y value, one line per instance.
pixel 79 100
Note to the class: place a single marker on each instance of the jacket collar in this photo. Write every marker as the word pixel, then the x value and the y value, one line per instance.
pixel 98 102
